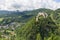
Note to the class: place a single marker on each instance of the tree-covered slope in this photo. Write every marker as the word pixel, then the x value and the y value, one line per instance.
pixel 45 29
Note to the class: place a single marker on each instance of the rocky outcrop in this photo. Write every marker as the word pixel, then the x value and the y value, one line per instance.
pixel 41 14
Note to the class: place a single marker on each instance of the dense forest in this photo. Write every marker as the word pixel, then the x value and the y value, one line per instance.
pixel 39 24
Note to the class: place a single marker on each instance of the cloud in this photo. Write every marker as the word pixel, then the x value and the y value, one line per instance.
pixel 28 4
pixel 16 6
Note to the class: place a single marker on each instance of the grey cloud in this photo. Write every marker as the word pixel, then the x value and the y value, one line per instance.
pixel 16 6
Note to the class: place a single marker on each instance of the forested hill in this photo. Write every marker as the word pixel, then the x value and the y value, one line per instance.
pixel 39 24
pixel 31 12
pixel 23 16
pixel 19 16
pixel 47 28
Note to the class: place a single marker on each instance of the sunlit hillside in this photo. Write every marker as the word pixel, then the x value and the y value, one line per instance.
pixel 39 24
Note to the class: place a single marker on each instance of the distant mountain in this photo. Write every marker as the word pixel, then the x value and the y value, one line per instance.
pixel 31 12
pixel 25 15
pixel 57 10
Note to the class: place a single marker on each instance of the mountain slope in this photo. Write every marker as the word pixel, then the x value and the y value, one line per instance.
pixel 45 27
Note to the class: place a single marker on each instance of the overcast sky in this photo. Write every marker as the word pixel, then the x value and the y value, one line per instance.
pixel 28 4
